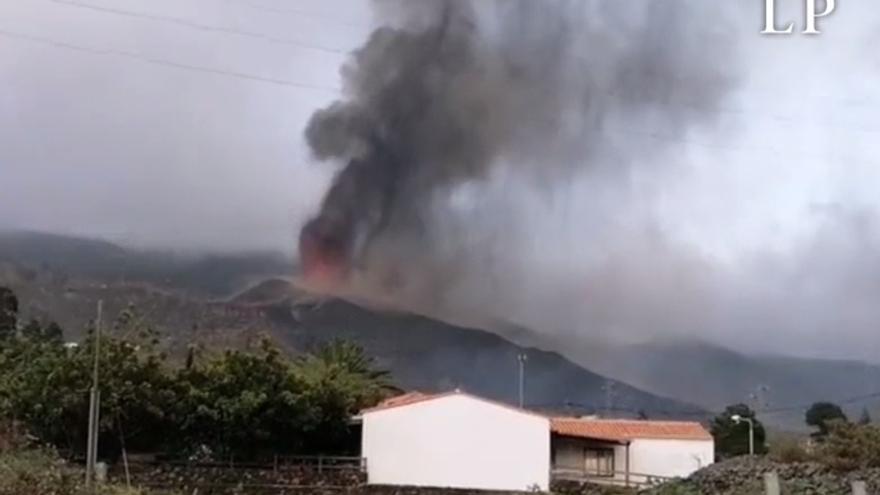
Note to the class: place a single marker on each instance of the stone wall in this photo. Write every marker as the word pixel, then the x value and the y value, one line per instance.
pixel 202 479
pixel 222 479
pixel 745 476
pixel 735 477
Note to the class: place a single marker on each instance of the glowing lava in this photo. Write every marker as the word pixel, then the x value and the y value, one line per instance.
pixel 323 256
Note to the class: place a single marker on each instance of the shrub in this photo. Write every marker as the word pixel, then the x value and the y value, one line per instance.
pixel 39 471
pixel 851 446
pixel 789 451
pixel 36 471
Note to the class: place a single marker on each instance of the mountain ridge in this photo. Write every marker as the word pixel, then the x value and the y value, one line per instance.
pixel 253 293
pixel 422 353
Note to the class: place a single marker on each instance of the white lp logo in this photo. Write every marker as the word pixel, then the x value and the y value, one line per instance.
pixel 812 15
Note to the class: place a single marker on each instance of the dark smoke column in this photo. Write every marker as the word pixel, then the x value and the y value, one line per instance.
pixel 463 87
pixel 402 132
pixel 352 211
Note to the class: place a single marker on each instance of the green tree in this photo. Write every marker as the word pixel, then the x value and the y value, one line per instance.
pixel 732 438
pixel 349 361
pixel 245 403
pixel 45 385
pixel 8 313
pixel 820 414
pixel 340 380
pixel 865 418
pixel 242 403
pixel 36 331
pixel 24 366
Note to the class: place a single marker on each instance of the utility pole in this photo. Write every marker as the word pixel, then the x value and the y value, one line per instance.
pixel 94 407
pixel 609 397
pixel 759 398
pixel 522 358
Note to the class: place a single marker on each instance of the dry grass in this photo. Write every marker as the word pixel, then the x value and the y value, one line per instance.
pixel 39 471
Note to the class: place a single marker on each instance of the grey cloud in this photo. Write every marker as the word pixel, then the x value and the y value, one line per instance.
pixel 691 216
pixel 155 155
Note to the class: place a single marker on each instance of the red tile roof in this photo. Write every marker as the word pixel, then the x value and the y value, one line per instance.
pixel 416 397
pixel 613 430
pixel 401 400
pixel 622 430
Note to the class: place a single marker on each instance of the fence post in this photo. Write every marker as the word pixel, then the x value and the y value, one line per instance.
pixel 859 488
pixel 275 463
pixel 320 464
pixel 771 483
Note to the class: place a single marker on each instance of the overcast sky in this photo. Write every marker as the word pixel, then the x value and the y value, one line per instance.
pixel 179 124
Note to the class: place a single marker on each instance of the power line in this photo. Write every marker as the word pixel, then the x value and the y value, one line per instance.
pixel 299 12
pixel 653 135
pixel 694 412
pixel 307 46
pixel 789 120
pixel 198 26
pixel 849 400
pixel 337 91
pixel 167 63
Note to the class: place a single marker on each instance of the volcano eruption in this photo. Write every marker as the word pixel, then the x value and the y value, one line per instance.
pixel 456 90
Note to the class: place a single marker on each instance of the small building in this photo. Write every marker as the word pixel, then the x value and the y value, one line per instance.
pixel 628 452
pixel 458 440
pixel 455 440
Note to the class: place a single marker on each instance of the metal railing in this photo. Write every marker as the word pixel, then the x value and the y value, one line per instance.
pixel 322 463
pixel 614 478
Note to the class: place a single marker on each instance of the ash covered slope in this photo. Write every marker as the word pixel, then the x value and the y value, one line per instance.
pixel 713 377
pixel 207 275
pixel 62 278
pixel 429 355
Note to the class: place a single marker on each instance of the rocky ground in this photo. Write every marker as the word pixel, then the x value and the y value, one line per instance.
pixel 746 477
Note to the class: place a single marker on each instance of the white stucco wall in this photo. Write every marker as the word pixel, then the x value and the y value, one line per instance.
pixel 457 441
pixel 669 458
pixel 648 457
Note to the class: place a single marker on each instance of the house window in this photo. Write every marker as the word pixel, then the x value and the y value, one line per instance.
pixel 599 462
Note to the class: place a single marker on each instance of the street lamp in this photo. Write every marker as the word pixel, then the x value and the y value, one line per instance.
pixel 738 419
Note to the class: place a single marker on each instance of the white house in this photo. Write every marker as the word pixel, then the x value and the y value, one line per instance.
pixel 455 440
pixel 628 451
pixel 461 441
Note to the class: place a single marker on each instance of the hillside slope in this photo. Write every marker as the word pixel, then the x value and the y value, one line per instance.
pixel 422 353
pixel 429 355
pixel 208 275
pixel 714 376
pixel 191 298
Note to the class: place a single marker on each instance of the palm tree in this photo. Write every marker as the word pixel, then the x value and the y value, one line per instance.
pixel 351 358
pixel 347 365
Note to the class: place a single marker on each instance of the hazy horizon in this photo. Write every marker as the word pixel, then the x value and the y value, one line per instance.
pixel 162 125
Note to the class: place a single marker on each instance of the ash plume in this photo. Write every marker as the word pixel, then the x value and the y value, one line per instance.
pixel 457 93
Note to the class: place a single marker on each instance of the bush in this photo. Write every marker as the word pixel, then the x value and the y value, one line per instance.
pixel 789 451
pixel 39 471
pixel 243 403
pixel 36 472
pixel 851 446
